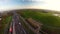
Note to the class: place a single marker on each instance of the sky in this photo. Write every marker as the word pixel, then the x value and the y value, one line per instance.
pixel 33 4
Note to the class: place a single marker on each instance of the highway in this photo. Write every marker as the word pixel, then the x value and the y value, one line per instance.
pixel 16 26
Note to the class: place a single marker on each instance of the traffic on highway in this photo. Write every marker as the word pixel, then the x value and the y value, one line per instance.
pixel 16 26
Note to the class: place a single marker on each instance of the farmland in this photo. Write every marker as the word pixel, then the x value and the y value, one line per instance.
pixel 5 20
pixel 50 22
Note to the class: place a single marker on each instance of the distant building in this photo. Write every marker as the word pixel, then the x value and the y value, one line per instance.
pixel 36 25
pixel 57 15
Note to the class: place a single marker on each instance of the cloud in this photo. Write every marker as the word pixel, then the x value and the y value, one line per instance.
pixel 52 5
pixel 4 0
pixel 40 4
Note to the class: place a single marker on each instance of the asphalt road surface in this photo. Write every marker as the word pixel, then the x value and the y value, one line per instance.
pixel 16 26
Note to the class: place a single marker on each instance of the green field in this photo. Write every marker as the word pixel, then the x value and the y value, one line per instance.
pixel 4 23
pixel 50 22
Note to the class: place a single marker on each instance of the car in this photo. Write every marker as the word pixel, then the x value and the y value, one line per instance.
pixel 10 30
